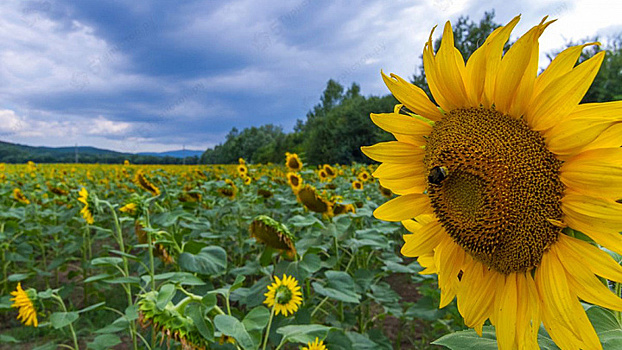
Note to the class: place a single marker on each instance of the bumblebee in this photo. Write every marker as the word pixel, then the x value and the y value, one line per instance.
pixel 437 175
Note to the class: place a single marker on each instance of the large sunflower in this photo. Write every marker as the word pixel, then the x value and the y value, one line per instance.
pixel 498 175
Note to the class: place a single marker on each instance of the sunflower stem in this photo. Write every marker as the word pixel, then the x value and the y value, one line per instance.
pixel 265 339
pixel 618 314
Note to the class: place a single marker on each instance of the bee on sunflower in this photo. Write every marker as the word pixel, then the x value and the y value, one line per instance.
pixel 493 181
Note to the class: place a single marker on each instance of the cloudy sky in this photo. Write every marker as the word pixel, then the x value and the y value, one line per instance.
pixel 138 76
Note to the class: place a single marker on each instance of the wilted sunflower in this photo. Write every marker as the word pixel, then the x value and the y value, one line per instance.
pixel 314 202
pixel 292 161
pixel 295 181
pixel 23 300
pixel 273 234
pixel 229 190
pixel 141 180
pixel 498 175
pixel 83 197
pixel 315 345
pixel 284 295
pixel 19 196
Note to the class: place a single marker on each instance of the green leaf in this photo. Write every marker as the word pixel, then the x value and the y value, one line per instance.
pixel 211 260
pixel 339 286
pixel 62 319
pixel 110 260
pixel 256 319
pixel 607 326
pixel 92 307
pixel 165 295
pixel 101 276
pixel 469 340
pixel 5 338
pixel 197 312
pixel 303 333
pixel 230 326
pixel 124 280
pixel 17 277
pixel 183 278
pixel 104 341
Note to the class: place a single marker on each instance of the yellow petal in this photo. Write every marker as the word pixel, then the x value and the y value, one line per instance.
pixel 494 51
pixel 604 236
pixel 583 282
pixel 517 73
pixel 424 241
pixel 611 137
pixel 449 259
pixel 450 65
pixel 415 184
pixel 563 63
pixel 413 97
pixel 598 212
pixel 398 171
pixel 598 261
pixel 595 173
pixel 394 152
pixel 562 95
pixel 475 296
pixel 584 125
pixel 505 308
pixel 434 78
pixel 403 207
pixel 401 124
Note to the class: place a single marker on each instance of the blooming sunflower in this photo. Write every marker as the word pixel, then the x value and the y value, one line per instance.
pixel 495 178
pixel 315 345
pixel 242 170
pixel 295 181
pixel 364 176
pixel 292 161
pixel 284 295
pixel 23 300
pixel 357 185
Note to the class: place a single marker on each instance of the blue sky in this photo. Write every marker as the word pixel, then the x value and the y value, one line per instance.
pixel 138 76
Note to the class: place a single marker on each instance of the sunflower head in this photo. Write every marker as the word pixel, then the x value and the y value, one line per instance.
pixel 363 176
pixel 23 300
pixel 357 185
pixel 330 171
pixel 313 201
pixel 295 181
pixel 284 295
pixel 494 174
pixel 242 170
pixel 292 162
pixel 273 234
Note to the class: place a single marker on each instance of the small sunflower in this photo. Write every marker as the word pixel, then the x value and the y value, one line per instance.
pixel 357 185
pixel 241 161
pixel 23 300
pixel 19 196
pixel 385 191
pixel 292 161
pixel 364 176
pixel 495 177
pixel 284 295
pixel 315 345
pixel 242 170
pixel 295 181
pixel 247 180
pixel 129 208
pixel 323 175
pixel 83 197
pixel 330 171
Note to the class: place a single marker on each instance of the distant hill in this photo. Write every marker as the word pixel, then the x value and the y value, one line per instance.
pixel 16 153
pixel 175 154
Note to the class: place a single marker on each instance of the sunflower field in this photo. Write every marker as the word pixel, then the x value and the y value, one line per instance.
pixel 128 256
